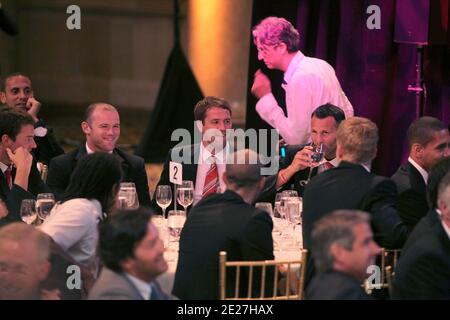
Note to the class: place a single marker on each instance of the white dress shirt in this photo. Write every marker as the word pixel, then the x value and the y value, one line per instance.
pixel 421 170
pixel 310 83
pixel 143 287
pixel 204 163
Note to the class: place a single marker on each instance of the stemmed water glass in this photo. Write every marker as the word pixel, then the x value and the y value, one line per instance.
pixel 316 157
pixel 185 194
pixel 44 204
pixel 265 206
pixel 164 197
pixel 28 211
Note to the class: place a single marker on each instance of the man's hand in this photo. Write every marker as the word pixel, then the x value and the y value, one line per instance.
pixel 33 107
pixel 21 158
pixel 3 209
pixel 302 159
pixel 261 85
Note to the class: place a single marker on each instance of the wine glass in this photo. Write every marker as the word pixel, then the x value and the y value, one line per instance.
pixel 44 204
pixel 265 206
pixel 164 197
pixel 175 223
pixel 293 209
pixel 316 157
pixel 128 198
pixel 28 211
pixel 185 194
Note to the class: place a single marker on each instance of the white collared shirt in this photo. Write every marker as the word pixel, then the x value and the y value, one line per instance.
pixel 421 170
pixel 444 225
pixel 204 163
pixel 310 83
pixel 90 151
pixel 143 287
pixel 3 167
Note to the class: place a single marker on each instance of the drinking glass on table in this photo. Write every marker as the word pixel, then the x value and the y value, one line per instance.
pixel 44 204
pixel 316 160
pixel 128 198
pixel 164 197
pixel 293 207
pixel 28 211
pixel 175 223
pixel 185 194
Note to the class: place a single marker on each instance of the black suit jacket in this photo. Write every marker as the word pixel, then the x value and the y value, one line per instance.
pixel 47 146
pixel 219 222
pixel 350 186
pixel 423 270
pixel 133 168
pixel 13 197
pixel 335 285
pixel 412 201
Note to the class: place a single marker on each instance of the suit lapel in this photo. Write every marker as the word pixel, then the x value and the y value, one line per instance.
pixel 3 185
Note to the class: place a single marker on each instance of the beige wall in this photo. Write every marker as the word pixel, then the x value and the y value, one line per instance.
pixel 118 56
pixel 120 53
pixel 218 33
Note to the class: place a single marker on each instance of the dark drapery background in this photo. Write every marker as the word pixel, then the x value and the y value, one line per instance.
pixel 374 71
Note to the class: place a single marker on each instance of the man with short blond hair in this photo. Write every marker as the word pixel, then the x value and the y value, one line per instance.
pixel 24 262
pixel 102 130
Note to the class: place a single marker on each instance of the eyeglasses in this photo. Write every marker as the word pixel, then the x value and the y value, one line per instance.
pixel 264 49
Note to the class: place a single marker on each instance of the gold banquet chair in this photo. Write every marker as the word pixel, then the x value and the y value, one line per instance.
pixel 388 262
pixel 288 278
pixel 389 259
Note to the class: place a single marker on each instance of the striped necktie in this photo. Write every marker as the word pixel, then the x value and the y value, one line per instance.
pixel 8 177
pixel 325 166
pixel 212 179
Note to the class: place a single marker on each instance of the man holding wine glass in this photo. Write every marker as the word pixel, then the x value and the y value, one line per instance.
pixel 20 178
pixel 299 166
pixel 206 160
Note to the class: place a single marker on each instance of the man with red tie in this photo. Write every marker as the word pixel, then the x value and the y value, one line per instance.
pixel 296 165
pixel 204 162
pixel 19 179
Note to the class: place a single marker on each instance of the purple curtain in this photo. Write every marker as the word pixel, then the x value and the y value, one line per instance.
pixel 375 71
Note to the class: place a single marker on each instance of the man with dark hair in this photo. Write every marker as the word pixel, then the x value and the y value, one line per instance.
pixel 429 141
pixel 325 121
pixel 19 178
pixel 423 270
pixel 352 186
pixel 224 222
pixel 309 82
pixel 132 254
pixel 204 162
pixel 343 249
pixel 17 92
pixel 102 130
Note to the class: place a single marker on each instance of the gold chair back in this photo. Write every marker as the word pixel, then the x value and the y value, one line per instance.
pixel 288 278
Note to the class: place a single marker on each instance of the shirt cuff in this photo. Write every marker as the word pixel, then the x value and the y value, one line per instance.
pixel 266 105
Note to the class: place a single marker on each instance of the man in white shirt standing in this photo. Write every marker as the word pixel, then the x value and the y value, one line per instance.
pixel 429 141
pixel 310 82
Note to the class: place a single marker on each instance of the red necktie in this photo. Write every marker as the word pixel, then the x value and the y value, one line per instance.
pixel 8 177
pixel 212 179
pixel 325 166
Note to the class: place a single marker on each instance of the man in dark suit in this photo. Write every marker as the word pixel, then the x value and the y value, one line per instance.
pixel 429 141
pixel 102 130
pixel 343 249
pixel 352 186
pixel 17 92
pixel 295 166
pixel 423 270
pixel 203 163
pixel 19 178
pixel 132 252
pixel 224 222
